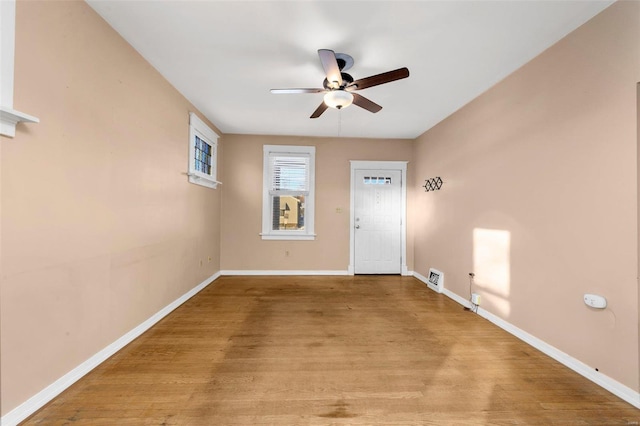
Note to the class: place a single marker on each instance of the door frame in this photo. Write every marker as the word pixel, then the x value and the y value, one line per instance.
pixel 379 165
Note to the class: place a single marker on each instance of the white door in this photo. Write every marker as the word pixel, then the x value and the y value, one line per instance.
pixel 377 221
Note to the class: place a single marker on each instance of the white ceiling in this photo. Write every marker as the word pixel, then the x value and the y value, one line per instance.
pixel 224 56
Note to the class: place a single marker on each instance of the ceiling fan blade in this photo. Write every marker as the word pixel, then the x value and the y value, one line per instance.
pixel 318 112
pixel 331 68
pixel 365 103
pixel 385 77
pixel 293 91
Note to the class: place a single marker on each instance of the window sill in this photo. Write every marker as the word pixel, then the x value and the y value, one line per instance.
pixel 10 117
pixel 203 181
pixel 306 237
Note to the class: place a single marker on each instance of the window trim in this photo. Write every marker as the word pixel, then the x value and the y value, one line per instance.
pixel 9 117
pixel 309 232
pixel 199 128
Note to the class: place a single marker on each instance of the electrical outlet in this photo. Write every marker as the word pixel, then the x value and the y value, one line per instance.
pixel 475 298
pixel 209 259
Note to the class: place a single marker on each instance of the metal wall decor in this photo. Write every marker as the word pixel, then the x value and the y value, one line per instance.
pixel 432 184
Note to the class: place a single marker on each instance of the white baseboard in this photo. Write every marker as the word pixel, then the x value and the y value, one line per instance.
pixel 618 389
pixel 37 401
pixel 613 386
pixel 285 272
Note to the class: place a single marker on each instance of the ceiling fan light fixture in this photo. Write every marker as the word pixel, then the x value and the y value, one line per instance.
pixel 338 99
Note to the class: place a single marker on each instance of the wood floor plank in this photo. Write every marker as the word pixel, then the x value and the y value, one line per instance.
pixel 357 350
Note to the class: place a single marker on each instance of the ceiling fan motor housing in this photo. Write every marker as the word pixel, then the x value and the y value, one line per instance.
pixel 346 80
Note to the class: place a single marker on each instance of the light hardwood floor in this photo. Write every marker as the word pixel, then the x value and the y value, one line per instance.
pixel 365 350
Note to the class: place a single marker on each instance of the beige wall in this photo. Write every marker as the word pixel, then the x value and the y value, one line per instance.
pixel 100 228
pixel 242 247
pixel 540 195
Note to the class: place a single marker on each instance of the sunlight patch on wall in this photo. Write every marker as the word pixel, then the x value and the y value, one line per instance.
pixel 492 266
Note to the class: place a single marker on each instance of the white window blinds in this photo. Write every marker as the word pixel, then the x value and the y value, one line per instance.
pixel 289 173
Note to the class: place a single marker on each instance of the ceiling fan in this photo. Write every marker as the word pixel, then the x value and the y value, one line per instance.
pixel 339 87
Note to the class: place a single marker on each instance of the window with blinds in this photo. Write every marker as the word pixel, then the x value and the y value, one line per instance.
pixel 289 173
pixel 288 192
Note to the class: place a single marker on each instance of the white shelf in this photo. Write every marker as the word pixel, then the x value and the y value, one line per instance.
pixel 10 117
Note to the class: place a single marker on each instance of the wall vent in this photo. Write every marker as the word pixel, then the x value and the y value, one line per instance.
pixel 435 281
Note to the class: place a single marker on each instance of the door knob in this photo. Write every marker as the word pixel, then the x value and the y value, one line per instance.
pixel 357 226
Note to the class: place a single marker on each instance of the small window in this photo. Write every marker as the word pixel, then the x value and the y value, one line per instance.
pixel 203 150
pixel 288 192
pixel 377 180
